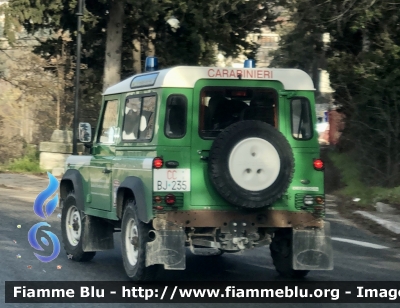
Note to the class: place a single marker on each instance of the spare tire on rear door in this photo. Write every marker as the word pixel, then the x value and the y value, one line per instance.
pixel 251 164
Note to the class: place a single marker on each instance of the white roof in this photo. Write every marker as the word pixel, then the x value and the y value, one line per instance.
pixel 187 76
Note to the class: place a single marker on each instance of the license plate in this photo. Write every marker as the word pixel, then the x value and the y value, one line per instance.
pixel 171 180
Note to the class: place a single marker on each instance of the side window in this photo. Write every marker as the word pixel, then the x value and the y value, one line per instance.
pixel 301 118
pixel 139 118
pixel 175 116
pixel 131 120
pixel 109 128
pixel 147 118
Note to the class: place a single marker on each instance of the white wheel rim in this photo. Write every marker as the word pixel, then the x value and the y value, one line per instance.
pixel 131 242
pixel 254 164
pixel 73 225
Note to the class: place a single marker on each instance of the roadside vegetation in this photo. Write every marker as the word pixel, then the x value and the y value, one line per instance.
pixel 353 187
pixel 28 163
pixel 358 43
pixel 38 55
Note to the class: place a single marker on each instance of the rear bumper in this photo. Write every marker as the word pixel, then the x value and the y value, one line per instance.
pixel 219 219
pixel 312 248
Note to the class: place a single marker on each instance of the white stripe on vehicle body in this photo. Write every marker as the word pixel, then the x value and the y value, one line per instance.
pixel 305 188
pixel 81 160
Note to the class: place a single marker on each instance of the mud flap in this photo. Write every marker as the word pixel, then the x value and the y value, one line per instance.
pixel 97 234
pixel 312 248
pixel 168 248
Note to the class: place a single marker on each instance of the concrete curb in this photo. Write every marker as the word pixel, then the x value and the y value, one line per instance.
pixel 386 223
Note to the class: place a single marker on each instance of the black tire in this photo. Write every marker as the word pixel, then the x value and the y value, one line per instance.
pixel 73 246
pixel 220 174
pixel 281 253
pixel 138 271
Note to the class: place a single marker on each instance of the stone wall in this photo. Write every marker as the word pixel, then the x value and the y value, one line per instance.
pixel 54 153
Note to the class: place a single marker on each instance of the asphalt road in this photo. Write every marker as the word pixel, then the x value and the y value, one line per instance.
pixel 355 255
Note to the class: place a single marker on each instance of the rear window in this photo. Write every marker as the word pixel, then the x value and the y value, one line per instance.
pixel 175 116
pixel 223 106
pixel 301 118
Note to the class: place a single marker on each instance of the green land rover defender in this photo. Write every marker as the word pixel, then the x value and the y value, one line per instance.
pixel 218 160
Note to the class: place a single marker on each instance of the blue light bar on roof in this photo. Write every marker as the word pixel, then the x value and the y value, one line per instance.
pixel 249 63
pixel 151 64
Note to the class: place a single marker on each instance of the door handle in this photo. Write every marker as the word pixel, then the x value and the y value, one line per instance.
pixel 203 154
pixel 106 170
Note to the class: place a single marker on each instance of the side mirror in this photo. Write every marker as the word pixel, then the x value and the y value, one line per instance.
pixel 85 132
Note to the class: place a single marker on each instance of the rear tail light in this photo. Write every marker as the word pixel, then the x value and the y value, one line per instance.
pixel 318 211
pixel 318 164
pixel 170 199
pixel 311 200
pixel 157 199
pixel 319 200
pixel 158 162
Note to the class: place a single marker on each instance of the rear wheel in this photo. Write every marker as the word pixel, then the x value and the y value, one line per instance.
pixel 281 253
pixel 135 235
pixel 72 230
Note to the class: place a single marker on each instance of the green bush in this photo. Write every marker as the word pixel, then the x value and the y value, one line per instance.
pixel 354 188
pixel 28 163
pixel 387 195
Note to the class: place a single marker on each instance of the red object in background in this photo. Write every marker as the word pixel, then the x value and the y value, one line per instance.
pixel 239 93
pixel 336 125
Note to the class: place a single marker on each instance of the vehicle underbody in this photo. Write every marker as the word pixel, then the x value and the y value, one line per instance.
pixel 233 232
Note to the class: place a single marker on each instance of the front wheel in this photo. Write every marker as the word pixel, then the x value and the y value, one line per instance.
pixel 135 235
pixel 281 253
pixel 72 232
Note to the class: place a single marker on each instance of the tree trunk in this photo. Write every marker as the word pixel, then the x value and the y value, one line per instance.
pixel 115 24
pixel 136 54
pixel 316 69
pixel 151 50
pixel 60 84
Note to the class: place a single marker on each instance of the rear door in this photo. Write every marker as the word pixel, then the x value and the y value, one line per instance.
pixel 202 194
pixel 204 129
pixel 303 139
